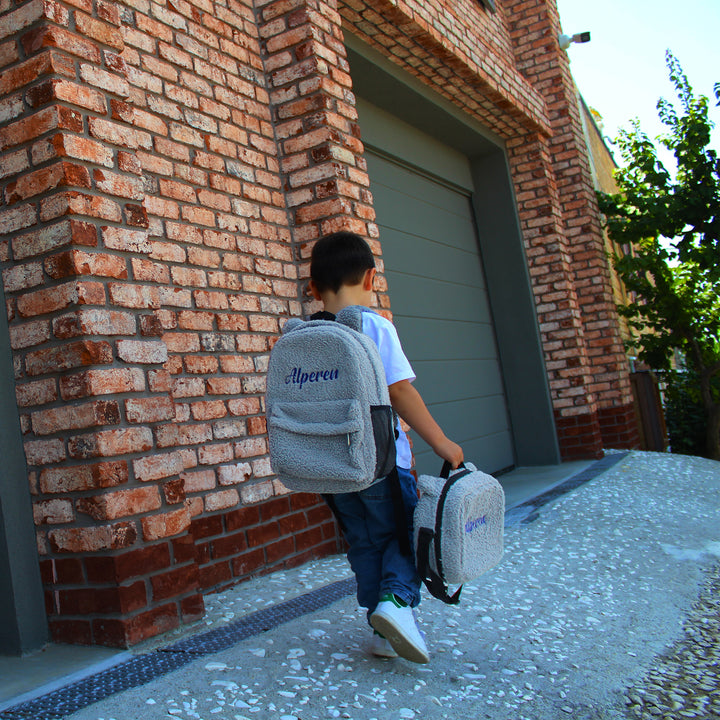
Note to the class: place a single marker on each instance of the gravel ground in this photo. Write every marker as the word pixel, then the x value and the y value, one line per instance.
pixel 604 607
pixel 685 679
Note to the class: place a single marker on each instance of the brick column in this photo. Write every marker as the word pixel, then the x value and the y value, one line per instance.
pixel 592 419
pixel 117 559
pixel 559 315
pixel 315 120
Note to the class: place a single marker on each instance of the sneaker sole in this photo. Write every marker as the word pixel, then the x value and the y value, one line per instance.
pixel 385 654
pixel 399 641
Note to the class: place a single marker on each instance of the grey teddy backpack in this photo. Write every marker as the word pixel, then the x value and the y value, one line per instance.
pixel 331 428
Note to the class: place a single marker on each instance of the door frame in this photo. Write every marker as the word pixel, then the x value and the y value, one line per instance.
pixel 24 625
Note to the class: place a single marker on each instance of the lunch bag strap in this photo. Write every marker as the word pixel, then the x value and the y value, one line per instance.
pixel 435 585
pixel 434 582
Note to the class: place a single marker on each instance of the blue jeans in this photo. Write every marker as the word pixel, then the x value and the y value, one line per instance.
pixel 368 522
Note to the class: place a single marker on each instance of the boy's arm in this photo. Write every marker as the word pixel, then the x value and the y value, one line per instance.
pixel 409 405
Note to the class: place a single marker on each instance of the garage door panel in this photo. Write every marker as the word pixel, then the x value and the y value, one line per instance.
pixel 426 222
pixel 433 298
pixel 421 258
pixel 457 379
pixel 440 340
pixel 470 423
pixel 400 180
pixel 440 307
pixel 422 217
pixel 469 418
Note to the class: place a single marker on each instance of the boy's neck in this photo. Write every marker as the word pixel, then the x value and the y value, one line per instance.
pixel 345 296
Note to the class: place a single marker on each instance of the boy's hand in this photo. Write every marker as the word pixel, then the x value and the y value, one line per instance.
pixel 450 451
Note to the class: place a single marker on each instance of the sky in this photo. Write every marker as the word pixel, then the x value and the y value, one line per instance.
pixel 621 72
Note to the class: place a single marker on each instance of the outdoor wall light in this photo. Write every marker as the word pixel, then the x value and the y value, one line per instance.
pixel 566 40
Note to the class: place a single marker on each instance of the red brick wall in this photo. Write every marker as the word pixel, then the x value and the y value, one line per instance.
pixel 148 261
pixel 458 49
pixel 587 365
pixel 163 171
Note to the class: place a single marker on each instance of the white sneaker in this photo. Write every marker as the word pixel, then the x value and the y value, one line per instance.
pixel 397 624
pixel 381 647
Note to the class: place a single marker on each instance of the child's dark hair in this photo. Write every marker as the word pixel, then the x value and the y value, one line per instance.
pixel 341 258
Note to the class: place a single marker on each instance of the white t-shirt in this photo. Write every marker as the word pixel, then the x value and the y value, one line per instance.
pixel 397 367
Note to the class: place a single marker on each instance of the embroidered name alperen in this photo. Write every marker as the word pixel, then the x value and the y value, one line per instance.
pixel 471 525
pixel 299 377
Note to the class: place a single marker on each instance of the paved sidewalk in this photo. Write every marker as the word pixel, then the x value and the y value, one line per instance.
pixel 604 607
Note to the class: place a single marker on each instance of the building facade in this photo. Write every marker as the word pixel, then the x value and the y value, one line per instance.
pixel 164 169
pixel 649 410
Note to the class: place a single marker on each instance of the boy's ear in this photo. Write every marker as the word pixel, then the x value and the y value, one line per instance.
pixel 312 287
pixel 368 278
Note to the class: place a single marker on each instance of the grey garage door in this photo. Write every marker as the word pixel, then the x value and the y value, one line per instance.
pixel 441 310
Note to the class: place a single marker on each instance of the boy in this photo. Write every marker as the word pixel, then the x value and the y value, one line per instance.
pixel 342 270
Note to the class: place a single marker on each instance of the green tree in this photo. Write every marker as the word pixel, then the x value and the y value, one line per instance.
pixel 669 227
